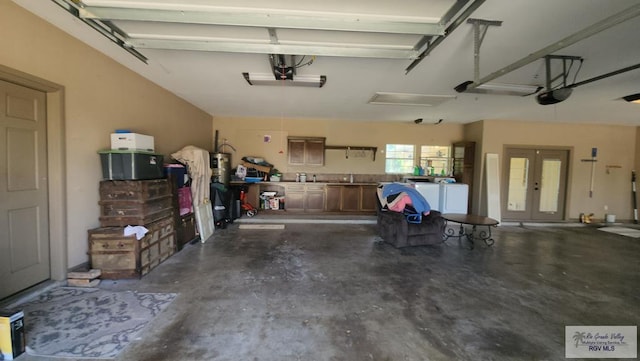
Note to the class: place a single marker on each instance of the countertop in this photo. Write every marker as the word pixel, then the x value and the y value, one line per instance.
pixel 284 183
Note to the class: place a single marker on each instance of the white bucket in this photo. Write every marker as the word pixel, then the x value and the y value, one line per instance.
pixel 610 218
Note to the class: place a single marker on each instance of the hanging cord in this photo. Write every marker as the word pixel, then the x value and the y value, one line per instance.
pixel 300 64
pixel 566 73
pixel 281 119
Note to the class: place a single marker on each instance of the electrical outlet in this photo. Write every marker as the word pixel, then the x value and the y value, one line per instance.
pixel 606 208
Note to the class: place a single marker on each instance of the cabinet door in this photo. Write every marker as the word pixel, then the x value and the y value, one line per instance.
pixel 314 201
pixel 314 152
pixel 294 197
pixel 369 198
pixel 350 198
pixel 294 201
pixel 296 151
pixel 333 199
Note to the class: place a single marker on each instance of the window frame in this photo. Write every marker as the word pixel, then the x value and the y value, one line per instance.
pixel 446 159
pixel 411 158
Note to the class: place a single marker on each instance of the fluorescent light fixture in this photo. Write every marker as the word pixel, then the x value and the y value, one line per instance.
pixel 633 98
pixel 498 88
pixel 423 100
pixel 311 81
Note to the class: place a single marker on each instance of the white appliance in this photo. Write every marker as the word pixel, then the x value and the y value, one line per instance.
pixel 454 198
pixel 430 192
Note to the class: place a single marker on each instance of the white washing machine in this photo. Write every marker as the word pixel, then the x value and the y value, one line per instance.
pixel 454 198
pixel 430 191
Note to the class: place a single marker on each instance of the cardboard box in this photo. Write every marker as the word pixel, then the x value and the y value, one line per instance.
pixel 12 338
pixel 132 141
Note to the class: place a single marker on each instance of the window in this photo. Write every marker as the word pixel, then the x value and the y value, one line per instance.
pixel 434 159
pixel 399 158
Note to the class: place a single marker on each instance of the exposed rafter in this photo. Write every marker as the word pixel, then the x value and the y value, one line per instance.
pixel 266 48
pixel 271 19
pixel 407 36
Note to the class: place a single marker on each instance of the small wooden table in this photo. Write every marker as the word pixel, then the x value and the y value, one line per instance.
pixel 474 221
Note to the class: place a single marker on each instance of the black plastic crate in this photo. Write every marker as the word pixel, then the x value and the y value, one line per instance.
pixel 131 165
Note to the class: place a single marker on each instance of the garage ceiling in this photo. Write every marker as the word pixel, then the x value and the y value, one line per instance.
pixel 406 49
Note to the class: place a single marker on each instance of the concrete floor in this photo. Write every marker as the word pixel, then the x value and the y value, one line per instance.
pixel 336 292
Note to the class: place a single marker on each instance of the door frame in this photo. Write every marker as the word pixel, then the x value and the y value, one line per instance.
pixel 56 176
pixel 504 189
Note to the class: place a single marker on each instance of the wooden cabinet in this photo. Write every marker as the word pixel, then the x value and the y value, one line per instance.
pixel 351 198
pixel 464 154
pixel 185 230
pixel 333 200
pixel 185 224
pixel 314 198
pixel 306 151
pixel 304 197
pixel 294 197
pixel 369 198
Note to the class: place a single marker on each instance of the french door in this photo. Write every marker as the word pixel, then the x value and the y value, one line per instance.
pixel 535 184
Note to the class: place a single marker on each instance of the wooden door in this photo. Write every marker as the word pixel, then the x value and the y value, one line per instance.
pixel 24 217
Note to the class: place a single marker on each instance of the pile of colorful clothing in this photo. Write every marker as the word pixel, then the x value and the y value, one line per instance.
pixel 402 198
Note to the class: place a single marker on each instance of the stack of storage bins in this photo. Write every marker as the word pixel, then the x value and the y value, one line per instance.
pixel 147 203
pixel 135 192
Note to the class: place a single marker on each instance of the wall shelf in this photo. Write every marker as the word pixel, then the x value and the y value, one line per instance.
pixel 348 148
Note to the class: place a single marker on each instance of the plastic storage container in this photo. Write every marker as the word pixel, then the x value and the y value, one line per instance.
pixel 132 141
pixel 130 165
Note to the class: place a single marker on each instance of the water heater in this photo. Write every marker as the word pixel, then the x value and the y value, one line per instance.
pixel 220 167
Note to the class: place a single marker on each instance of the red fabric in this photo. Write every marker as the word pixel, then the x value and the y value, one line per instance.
pixel 184 200
pixel 400 202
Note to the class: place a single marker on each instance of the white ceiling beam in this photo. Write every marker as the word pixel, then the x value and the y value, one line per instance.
pixel 347 50
pixel 338 22
pixel 604 24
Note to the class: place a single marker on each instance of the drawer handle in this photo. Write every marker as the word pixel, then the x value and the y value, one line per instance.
pixel 120 245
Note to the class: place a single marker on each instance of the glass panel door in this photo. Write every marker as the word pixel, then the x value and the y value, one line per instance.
pixel 549 189
pixel 535 184
pixel 518 184
pixel 519 171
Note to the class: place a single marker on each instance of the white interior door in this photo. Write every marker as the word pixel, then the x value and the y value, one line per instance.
pixel 24 218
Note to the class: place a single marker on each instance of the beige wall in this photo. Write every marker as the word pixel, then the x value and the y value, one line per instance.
pixel 100 95
pixel 616 145
pixel 247 137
